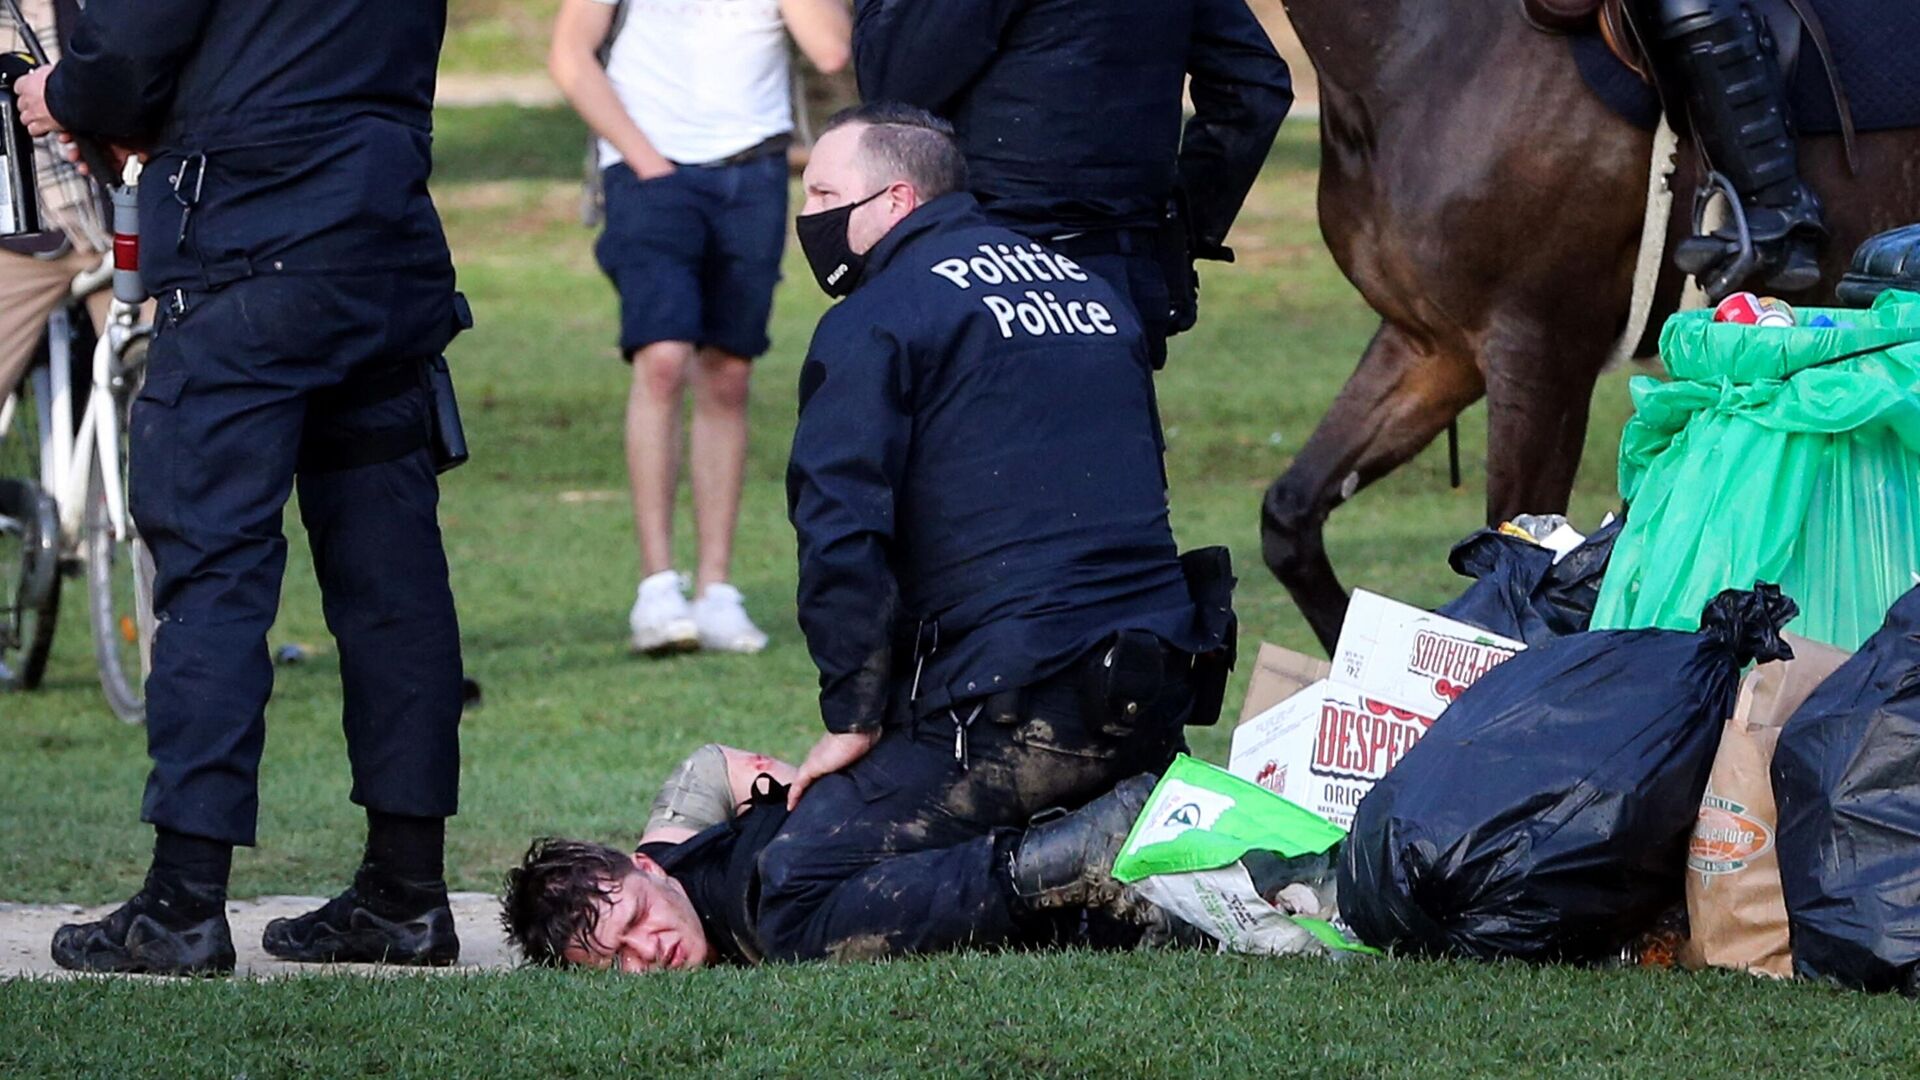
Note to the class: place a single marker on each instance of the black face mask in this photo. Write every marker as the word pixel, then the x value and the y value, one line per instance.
pixel 823 239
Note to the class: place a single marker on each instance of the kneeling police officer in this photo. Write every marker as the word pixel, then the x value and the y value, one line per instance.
pixel 988 579
pixel 306 294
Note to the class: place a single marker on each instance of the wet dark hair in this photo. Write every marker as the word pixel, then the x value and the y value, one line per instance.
pixel 905 142
pixel 551 898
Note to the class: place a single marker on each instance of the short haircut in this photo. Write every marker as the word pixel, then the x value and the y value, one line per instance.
pixel 904 142
pixel 552 899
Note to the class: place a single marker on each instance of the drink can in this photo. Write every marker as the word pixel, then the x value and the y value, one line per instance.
pixel 1743 308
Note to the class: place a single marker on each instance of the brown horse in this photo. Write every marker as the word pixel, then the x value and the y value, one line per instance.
pixel 1489 207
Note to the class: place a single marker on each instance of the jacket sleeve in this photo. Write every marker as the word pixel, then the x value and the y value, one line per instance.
pixel 122 64
pixel 843 479
pixel 925 52
pixel 1241 91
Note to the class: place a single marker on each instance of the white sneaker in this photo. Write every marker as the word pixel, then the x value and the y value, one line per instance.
pixel 723 622
pixel 661 620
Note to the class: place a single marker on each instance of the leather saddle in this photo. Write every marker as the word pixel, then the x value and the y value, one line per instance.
pixel 1609 18
pixel 1789 22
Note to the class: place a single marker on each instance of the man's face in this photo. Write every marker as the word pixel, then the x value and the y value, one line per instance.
pixel 647 923
pixel 835 177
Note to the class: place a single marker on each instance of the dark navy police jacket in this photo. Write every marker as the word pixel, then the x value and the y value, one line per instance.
pixel 976 449
pixel 314 116
pixel 1069 111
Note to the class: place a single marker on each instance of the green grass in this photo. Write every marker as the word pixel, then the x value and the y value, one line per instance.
pixel 1185 1015
pixel 575 734
pixel 490 37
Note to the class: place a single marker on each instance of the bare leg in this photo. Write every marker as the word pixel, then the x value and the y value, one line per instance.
pixel 1397 400
pixel 653 447
pixel 719 450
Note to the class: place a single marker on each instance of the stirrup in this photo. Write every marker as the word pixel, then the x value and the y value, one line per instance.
pixel 1703 251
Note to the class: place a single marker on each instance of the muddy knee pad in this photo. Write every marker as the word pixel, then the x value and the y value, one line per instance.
pixel 697 793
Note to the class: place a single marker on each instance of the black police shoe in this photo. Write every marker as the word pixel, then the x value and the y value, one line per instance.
pixel 1890 260
pixel 1068 862
pixel 345 930
pixel 149 936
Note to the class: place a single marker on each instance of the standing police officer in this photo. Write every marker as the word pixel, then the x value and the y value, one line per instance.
pixel 988 579
pixel 304 284
pixel 1069 112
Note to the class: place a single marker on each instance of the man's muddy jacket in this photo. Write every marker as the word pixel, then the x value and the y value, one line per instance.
pixel 976 474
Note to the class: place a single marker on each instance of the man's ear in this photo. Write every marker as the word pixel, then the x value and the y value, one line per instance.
pixel 902 199
pixel 646 865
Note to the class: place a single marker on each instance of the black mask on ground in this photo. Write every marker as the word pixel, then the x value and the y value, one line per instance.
pixel 823 239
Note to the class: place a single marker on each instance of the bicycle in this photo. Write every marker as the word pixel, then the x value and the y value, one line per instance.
pixel 63 499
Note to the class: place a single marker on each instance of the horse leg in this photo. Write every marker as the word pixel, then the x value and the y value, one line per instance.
pixel 1539 394
pixel 1402 395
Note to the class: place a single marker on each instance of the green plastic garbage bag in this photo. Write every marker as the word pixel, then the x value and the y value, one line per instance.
pixel 1788 455
pixel 1190 850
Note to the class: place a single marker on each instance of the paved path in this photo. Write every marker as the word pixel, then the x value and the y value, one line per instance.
pixel 526 88
pixel 26 930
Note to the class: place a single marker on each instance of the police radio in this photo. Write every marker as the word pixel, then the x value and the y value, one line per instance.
pixel 19 191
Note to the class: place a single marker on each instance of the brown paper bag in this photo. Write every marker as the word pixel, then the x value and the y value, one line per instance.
pixel 1737 916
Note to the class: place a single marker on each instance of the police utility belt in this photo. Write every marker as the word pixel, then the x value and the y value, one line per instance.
pixel 1120 678
pixel 442 434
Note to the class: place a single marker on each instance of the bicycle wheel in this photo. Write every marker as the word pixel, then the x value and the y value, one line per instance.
pixel 120 573
pixel 29 539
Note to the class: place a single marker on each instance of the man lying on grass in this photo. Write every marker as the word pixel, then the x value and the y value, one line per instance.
pixel 691 896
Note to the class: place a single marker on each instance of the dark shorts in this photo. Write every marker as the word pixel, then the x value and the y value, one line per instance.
pixel 695 254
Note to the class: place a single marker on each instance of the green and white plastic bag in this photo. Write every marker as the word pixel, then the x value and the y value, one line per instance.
pixel 1185 850
pixel 1781 454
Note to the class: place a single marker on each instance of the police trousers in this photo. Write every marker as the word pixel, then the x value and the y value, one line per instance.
pixel 237 384
pixel 906 850
pixel 1139 279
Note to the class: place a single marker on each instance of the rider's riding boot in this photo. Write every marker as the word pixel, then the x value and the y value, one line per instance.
pixel 1736 101
pixel 1890 260
pixel 1068 862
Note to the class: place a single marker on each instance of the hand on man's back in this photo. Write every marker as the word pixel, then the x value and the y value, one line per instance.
pixel 834 751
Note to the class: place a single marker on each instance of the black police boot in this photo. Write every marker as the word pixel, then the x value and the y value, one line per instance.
pixel 1068 862
pixel 1888 260
pixel 168 928
pixel 371 923
pixel 1736 101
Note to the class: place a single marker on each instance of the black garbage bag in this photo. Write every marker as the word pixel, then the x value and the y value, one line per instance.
pixel 1520 592
pixel 1546 813
pixel 1846 777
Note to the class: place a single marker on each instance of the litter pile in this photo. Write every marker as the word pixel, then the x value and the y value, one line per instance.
pixel 1609 748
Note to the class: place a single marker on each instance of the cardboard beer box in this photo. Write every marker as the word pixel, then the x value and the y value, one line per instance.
pixel 1324 747
pixel 1413 659
pixel 1322 734
pixel 1278 674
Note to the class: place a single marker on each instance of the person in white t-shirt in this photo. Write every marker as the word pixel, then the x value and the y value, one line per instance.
pixel 693 112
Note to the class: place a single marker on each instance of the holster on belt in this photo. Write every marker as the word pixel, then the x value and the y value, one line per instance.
pixel 1210 582
pixel 446 437
pixel 1173 249
pixel 1122 679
